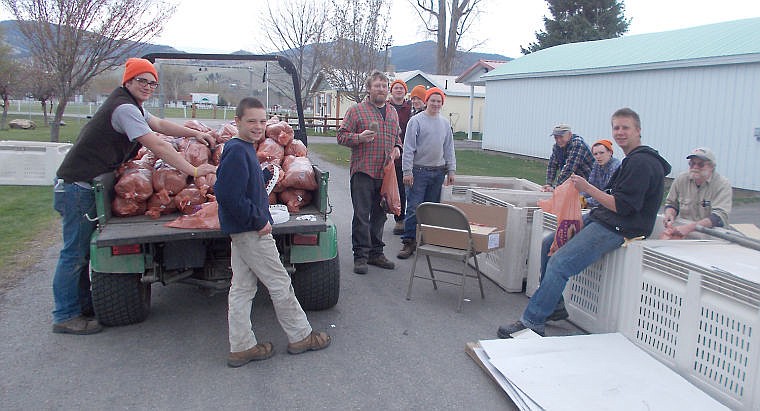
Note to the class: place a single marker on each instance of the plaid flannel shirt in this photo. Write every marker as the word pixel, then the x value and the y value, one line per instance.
pixel 575 157
pixel 369 158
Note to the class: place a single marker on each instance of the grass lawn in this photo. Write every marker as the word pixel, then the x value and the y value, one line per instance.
pixel 68 133
pixel 25 211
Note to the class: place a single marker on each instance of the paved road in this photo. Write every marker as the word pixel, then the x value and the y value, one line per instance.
pixel 387 353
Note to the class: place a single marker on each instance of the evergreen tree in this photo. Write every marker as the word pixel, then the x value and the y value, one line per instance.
pixel 580 20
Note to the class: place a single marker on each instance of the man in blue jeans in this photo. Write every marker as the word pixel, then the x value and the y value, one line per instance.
pixel 628 209
pixel 114 135
pixel 428 160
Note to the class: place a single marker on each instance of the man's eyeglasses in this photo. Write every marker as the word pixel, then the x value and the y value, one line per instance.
pixel 146 82
pixel 696 164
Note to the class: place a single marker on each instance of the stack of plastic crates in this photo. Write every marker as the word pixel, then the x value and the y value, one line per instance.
pixel 508 266
pixel 463 183
pixel 695 306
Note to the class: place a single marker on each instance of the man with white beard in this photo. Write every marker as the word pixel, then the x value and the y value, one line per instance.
pixel 700 195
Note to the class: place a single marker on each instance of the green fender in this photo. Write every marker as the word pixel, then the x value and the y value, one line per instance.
pixel 102 261
pixel 326 249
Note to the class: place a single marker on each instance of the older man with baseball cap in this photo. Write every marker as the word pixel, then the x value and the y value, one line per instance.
pixel 570 155
pixel 699 194
pixel 114 135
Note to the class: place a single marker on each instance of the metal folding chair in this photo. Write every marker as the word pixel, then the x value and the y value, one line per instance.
pixel 436 216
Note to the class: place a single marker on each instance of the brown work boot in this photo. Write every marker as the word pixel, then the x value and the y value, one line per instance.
pixel 360 266
pixel 381 261
pixel 313 342
pixel 398 229
pixel 79 326
pixel 407 250
pixel 256 353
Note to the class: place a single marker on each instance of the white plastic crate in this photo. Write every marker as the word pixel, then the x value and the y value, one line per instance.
pixel 458 190
pixel 508 266
pixel 695 306
pixel 543 224
pixel 30 162
pixel 592 297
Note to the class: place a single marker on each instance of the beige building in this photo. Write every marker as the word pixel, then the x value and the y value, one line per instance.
pixel 457 107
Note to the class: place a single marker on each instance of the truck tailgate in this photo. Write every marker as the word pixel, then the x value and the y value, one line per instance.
pixel 143 229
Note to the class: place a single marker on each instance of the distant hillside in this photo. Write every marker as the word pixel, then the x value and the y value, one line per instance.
pixel 20 48
pixel 421 56
pixel 417 56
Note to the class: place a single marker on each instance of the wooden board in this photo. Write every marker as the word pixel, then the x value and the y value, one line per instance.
pixel 750 230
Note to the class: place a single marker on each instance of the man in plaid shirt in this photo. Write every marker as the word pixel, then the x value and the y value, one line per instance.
pixel 570 155
pixel 371 130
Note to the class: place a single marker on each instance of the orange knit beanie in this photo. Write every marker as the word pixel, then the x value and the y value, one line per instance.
pixel 435 90
pixel 399 81
pixel 419 92
pixel 136 66
pixel 606 143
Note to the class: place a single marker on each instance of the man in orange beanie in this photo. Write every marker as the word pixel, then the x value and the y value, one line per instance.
pixel 428 162
pixel 114 135
pixel 404 109
pixel 418 99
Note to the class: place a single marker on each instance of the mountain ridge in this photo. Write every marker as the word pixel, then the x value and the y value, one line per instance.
pixel 416 56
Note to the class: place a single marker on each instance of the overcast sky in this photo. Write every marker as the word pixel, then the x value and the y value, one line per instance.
pixel 223 26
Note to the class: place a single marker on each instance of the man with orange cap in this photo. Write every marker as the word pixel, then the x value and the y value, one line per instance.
pixel 418 99
pixel 428 162
pixel 404 109
pixel 114 135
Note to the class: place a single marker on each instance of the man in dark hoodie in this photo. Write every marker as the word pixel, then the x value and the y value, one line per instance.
pixel 628 209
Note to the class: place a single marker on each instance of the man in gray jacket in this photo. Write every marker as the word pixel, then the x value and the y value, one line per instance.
pixel 428 162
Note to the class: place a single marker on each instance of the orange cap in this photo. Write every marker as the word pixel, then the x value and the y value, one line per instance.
pixel 399 81
pixel 435 90
pixel 606 143
pixel 136 66
pixel 419 92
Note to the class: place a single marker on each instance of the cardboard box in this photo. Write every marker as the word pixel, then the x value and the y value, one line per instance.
pixel 487 224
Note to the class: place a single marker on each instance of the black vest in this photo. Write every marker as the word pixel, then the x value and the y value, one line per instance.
pixel 99 148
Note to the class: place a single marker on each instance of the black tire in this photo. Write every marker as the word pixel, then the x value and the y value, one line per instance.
pixel 317 285
pixel 120 299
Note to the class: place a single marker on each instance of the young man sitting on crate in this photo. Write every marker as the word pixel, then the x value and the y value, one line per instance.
pixel 628 209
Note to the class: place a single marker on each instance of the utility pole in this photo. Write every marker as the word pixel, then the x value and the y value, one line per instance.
pixel 266 80
pixel 387 52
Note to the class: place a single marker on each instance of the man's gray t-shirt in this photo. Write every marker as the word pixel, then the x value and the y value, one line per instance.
pixel 127 119
pixel 429 142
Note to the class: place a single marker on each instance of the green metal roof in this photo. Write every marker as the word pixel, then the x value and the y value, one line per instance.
pixel 720 43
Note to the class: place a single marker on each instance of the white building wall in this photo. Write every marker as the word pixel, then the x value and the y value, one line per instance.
pixel 715 106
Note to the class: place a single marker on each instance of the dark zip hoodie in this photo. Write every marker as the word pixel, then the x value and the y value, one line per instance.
pixel 638 187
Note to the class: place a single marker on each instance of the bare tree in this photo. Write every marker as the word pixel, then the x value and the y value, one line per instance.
pixel 360 31
pixel 9 77
pixel 40 83
pixel 296 30
pixel 173 80
pixel 448 21
pixel 102 84
pixel 77 40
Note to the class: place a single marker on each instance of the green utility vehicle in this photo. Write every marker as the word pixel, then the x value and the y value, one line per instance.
pixel 130 254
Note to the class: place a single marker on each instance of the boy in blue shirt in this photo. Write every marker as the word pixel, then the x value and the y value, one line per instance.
pixel 244 215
